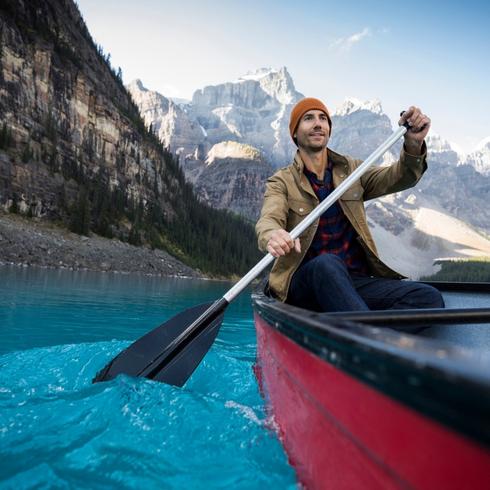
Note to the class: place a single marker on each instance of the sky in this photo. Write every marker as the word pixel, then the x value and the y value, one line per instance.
pixel 430 54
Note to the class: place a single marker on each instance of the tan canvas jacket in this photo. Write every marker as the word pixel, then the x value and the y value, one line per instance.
pixel 289 197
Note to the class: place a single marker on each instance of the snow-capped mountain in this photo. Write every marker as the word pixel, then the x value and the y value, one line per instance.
pixel 456 184
pixel 351 105
pixel 359 127
pixel 479 159
pixel 253 110
pixel 277 83
pixel 445 151
pixel 232 135
pixel 239 127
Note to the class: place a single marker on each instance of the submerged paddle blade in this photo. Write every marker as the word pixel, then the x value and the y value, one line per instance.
pixel 171 352
pixel 178 370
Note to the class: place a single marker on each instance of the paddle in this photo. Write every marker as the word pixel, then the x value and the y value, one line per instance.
pixel 171 352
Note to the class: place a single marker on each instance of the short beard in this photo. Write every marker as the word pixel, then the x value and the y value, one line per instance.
pixel 316 149
pixel 312 149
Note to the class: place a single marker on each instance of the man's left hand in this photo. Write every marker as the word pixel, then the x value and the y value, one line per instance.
pixel 419 127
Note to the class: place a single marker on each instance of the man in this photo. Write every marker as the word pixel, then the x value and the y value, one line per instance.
pixel 334 265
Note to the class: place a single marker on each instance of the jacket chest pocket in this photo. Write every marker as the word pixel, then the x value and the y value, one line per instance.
pixel 354 193
pixel 298 210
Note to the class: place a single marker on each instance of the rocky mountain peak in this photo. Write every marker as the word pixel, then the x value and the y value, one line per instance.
pixel 441 151
pixel 480 158
pixel 351 105
pixel 276 83
pixel 137 85
pixel 436 143
pixel 265 87
pixel 167 118
pixel 483 145
pixel 352 115
pixel 258 74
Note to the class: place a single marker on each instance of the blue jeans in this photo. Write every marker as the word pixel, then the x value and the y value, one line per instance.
pixel 325 284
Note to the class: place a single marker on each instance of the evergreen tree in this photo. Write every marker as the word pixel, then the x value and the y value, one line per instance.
pixel 5 137
pixel 14 207
pixel 471 270
pixel 26 154
pixel 80 214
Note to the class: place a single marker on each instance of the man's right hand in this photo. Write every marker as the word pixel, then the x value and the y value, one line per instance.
pixel 281 243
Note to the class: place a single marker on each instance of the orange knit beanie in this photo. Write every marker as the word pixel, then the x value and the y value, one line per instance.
pixel 305 105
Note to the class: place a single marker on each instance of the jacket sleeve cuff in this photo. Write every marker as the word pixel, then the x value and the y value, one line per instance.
pixel 415 160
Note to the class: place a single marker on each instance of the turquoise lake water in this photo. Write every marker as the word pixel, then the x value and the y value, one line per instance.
pixel 58 430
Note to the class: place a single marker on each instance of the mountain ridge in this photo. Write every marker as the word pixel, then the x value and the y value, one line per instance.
pixel 358 128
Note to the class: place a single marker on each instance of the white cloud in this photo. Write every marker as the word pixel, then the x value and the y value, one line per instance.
pixel 346 43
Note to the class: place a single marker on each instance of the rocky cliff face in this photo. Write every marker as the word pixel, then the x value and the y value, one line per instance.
pixel 457 186
pixel 169 121
pixel 233 177
pixel 66 117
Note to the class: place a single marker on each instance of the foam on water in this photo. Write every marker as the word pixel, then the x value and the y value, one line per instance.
pixel 57 429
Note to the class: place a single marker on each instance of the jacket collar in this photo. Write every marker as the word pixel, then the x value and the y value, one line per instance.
pixel 300 176
pixel 336 158
pixel 339 167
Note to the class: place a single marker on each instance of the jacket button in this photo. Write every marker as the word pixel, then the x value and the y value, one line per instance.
pixel 342 176
pixel 301 210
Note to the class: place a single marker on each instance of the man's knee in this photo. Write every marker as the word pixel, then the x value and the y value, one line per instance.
pixel 434 297
pixel 426 296
pixel 326 270
pixel 328 264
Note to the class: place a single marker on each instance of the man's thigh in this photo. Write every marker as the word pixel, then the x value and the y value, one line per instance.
pixel 385 294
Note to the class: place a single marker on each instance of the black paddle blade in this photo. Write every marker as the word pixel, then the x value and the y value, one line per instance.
pixel 171 352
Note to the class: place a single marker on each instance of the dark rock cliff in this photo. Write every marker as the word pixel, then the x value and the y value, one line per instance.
pixel 67 115
pixel 74 149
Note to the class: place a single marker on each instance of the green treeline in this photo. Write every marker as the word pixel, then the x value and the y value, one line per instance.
pixel 216 242
pixel 472 270
pixel 211 239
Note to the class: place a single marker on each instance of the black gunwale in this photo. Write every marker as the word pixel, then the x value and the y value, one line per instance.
pixel 446 383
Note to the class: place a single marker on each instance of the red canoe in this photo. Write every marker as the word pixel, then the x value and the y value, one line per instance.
pixel 363 407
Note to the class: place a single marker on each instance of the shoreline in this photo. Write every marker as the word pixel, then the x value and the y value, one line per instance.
pixel 32 242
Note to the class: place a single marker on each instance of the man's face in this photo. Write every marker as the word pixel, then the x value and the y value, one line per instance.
pixel 313 131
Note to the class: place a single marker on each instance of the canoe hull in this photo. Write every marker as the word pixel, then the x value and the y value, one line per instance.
pixel 341 433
